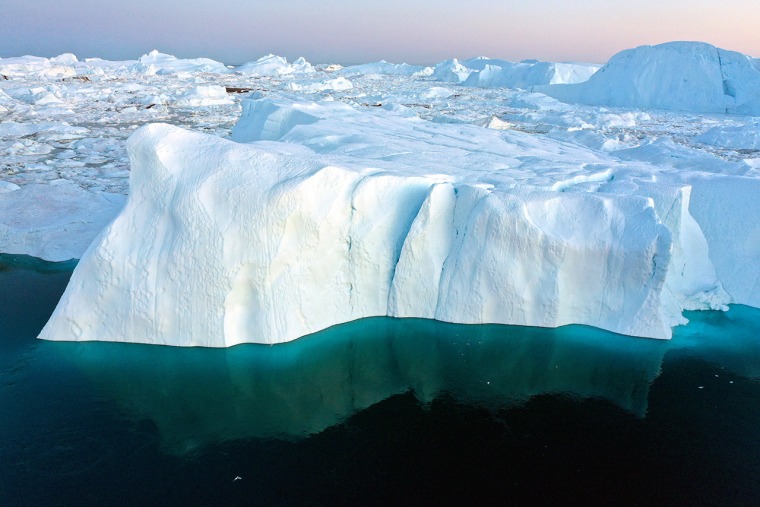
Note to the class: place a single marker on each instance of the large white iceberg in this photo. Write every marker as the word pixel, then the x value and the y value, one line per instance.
pixel 491 73
pixel 56 68
pixel 500 73
pixel 682 76
pixel 273 65
pixel 161 64
pixel 329 215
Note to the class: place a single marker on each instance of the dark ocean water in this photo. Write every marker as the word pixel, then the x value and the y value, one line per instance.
pixel 378 412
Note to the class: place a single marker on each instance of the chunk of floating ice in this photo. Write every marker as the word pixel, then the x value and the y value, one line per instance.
pixel 265 247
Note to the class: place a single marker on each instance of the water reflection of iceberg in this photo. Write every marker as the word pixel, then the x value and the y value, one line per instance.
pixel 199 396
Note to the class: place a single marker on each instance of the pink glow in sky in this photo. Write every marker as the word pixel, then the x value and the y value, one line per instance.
pixel 422 31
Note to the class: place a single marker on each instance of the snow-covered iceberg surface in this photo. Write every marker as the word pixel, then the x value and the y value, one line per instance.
pixel 330 214
pixel 680 76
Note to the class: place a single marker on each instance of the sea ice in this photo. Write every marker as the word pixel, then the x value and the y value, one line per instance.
pixel 160 63
pixel 53 222
pixel 503 74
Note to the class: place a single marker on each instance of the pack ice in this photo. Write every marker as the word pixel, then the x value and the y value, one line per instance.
pixel 316 213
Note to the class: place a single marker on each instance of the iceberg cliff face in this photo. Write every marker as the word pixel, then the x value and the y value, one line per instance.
pixel 223 243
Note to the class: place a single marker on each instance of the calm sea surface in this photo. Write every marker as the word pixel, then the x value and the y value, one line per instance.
pixel 378 412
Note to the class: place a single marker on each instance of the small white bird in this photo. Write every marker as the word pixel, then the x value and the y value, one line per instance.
pixel 237 478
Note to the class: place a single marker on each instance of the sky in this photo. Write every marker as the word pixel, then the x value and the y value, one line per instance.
pixel 356 31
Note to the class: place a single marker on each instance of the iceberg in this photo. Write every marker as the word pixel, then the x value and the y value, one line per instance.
pixel 318 214
pixel 163 64
pixel 498 73
pixel 52 68
pixel 680 76
pixel 273 65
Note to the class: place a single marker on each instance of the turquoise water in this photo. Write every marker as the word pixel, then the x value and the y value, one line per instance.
pixel 377 411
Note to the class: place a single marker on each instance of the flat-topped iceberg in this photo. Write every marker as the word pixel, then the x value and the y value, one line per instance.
pixel 273 65
pixel 55 68
pixel 681 76
pixel 500 73
pixel 323 214
pixel 160 63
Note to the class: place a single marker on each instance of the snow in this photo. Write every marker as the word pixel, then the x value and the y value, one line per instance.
pixel 450 71
pixel 59 67
pixel 680 76
pixel 385 68
pixel 337 84
pixel 396 192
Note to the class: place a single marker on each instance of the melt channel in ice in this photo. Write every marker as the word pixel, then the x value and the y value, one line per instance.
pixel 321 214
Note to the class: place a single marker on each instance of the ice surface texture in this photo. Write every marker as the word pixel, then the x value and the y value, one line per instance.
pixel 223 243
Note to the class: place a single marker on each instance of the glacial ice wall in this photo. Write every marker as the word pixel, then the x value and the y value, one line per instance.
pixel 222 243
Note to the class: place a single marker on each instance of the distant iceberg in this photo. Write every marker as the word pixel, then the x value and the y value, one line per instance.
pixel 386 68
pixel 492 73
pixel 678 76
pixel 160 63
pixel 58 67
pixel 273 65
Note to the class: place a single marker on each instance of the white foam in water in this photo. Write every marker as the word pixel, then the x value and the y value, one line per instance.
pixel 385 197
